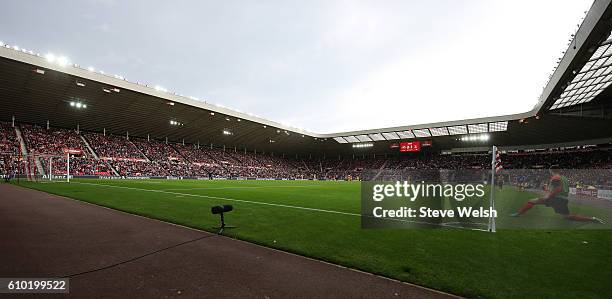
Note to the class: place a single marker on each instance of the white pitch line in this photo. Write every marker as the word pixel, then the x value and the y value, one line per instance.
pixel 240 187
pixel 275 205
pixel 222 198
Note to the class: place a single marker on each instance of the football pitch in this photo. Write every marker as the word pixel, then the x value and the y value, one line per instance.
pixel 321 219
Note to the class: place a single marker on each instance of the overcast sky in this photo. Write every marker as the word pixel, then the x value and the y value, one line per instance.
pixel 326 66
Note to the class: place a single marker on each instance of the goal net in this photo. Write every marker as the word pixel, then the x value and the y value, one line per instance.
pixel 36 167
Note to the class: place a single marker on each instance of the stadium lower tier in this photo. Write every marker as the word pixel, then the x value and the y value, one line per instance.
pixel 30 148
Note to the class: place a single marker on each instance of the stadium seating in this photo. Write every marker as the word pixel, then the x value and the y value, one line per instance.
pixel 113 147
pixel 8 139
pixel 157 151
pixel 50 141
pixel 51 144
pixel 140 157
pixel 9 148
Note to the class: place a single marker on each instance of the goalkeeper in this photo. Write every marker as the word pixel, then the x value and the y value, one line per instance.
pixel 557 199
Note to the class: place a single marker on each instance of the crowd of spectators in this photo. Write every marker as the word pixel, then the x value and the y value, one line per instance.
pixel 141 157
pixel 50 141
pixel 145 168
pixel 110 146
pixel 568 159
pixel 157 151
pixel 8 139
pixel 49 146
pixel 201 161
pixel 267 166
pixel 9 149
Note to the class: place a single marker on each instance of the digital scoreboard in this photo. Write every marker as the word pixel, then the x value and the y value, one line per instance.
pixel 411 146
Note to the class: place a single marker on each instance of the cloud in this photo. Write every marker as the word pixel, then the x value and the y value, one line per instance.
pixel 327 66
pixel 106 28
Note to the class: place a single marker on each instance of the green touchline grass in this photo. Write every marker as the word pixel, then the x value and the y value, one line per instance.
pixel 566 263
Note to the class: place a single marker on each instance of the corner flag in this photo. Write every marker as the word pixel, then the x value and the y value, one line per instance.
pixel 495 167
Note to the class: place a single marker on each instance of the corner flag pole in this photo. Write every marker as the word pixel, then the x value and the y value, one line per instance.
pixel 68 167
pixel 492 199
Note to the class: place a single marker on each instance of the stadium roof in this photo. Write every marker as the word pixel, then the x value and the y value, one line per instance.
pixel 583 71
pixel 39 88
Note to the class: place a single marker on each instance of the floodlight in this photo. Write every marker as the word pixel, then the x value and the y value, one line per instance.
pixel 84 106
pixel 78 105
pixel 50 57
pixel 62 61
pixel 159 88
pixel 72 104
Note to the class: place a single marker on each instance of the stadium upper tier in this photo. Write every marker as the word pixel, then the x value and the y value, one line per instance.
pixel 46 88
pixel 107 155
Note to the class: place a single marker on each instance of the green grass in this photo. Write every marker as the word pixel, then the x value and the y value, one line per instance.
pixel 567 262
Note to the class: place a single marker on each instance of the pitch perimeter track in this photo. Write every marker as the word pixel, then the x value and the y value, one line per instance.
pixel 45 235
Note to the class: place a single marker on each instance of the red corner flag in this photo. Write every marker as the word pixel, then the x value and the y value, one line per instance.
pixel 498 162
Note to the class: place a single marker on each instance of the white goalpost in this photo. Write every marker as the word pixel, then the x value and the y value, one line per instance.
pixel 53 163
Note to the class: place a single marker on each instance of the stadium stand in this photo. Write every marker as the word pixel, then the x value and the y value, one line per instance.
pixel 157 151
pixel 140 157
pixel 50 141
pixel 8 139
pixel 9 148
pixel 113 147
pixel 50 145
pixel 200 161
